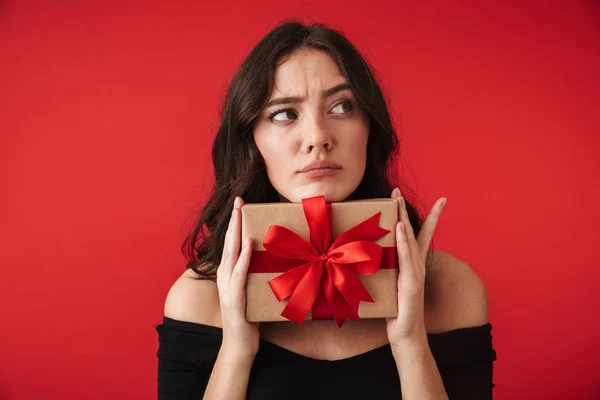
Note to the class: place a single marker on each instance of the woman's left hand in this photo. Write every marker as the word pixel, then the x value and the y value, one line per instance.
pixel 412 253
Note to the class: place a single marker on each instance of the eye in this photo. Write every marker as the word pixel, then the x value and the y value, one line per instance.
pixel 347 107
pixel 286 112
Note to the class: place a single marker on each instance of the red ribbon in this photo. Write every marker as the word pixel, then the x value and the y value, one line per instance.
pixel 319 274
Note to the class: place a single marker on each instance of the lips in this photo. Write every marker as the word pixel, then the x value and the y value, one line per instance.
pixel 320 165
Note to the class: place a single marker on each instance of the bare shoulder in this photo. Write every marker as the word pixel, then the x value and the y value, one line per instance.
pixel 193 300
pixel 456 296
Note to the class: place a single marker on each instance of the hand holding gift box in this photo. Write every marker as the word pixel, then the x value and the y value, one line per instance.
pixel 321 261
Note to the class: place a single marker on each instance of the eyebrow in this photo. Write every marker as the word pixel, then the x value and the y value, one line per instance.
pixel 296 99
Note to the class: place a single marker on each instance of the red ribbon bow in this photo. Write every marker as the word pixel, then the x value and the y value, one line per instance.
pixel 330 267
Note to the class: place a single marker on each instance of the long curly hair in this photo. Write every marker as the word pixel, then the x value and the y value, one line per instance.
pixel 239 169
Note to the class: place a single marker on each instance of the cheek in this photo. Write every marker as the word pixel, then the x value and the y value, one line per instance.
pixel 359 147
pixel 273 154
pixel 359 156
pixel 270 156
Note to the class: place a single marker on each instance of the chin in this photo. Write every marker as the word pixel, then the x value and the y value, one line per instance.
pixel 332 194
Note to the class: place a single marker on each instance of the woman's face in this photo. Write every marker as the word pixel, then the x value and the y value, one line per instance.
pixel 316 118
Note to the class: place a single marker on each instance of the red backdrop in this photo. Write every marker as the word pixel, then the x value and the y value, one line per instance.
pixel 107 112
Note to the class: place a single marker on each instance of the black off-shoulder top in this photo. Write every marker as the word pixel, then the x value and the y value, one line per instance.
pixel 187 352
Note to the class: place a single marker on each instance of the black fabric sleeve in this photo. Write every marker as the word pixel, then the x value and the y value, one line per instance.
pixel 465 360
pixel 186 355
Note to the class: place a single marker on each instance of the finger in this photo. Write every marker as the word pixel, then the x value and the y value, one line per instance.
pixel 408 230
pixel 403 249
pixel 429 226
pixel 240 271
pixel 230 251
pixel 234 236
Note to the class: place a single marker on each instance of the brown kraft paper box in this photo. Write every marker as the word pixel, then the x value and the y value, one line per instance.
pixel 261 303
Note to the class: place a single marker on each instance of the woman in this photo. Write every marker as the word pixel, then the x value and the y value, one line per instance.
pixel 303 117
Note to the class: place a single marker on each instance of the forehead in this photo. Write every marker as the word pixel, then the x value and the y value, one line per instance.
pixel 304 70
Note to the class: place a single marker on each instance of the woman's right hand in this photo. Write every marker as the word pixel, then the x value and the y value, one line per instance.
pixel 240 338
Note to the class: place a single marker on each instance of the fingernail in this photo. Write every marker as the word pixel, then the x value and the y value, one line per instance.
pixel 236 202
pixel 443 203
pixel 395 192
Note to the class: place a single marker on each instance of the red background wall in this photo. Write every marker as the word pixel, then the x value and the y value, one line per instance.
pixel 107 112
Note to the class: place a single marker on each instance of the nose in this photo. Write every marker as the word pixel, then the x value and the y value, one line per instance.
pixel 316 136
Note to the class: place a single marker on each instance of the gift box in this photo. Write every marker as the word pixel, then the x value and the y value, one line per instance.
pixel 318 260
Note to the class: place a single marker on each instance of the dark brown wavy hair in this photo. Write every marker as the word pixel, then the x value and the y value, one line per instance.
pixel 238 165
